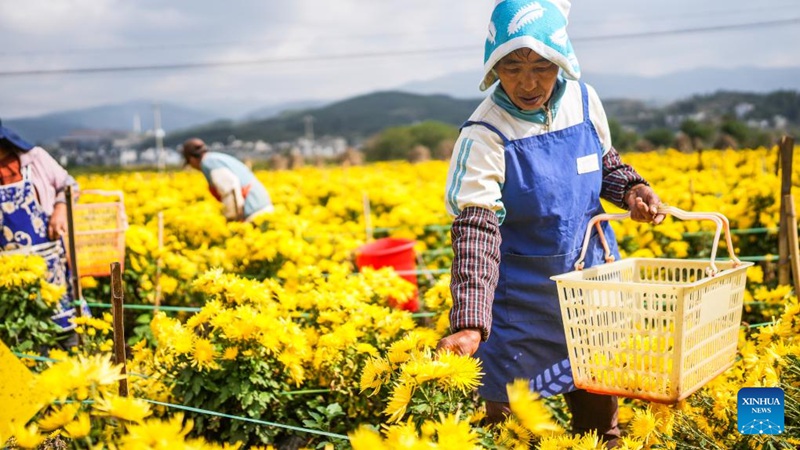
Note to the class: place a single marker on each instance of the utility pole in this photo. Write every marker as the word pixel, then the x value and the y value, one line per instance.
pixel 159 134
pixel 137 124
pixel 309 122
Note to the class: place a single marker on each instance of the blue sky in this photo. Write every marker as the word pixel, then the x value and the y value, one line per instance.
pixel 329 50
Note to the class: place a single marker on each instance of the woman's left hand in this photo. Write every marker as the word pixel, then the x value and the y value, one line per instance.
pixel 643 204
pixel 58 222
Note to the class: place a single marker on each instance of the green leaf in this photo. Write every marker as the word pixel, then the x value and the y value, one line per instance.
pixel 334 410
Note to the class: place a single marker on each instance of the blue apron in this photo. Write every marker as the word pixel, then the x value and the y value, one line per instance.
pixel 24 230
pixel 548 206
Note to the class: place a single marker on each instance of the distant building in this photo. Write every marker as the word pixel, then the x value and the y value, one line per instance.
pixel 91 147
pixel 124 149
pixel 742 109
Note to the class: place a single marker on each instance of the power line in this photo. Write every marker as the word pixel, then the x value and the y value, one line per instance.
pixel 688 30
pixel 212 64
pixel 188 45
pixel 695 14
pixel 372 55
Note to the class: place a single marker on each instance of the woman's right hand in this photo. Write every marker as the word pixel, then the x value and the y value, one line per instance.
pixel 462 342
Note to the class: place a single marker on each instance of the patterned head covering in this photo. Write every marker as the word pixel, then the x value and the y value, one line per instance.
pixel 540 25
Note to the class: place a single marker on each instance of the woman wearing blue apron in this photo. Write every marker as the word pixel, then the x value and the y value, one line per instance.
pixel 30 180
pixel 526 175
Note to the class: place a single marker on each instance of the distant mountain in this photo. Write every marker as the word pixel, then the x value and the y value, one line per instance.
pixel 637 102
pixel 269 112
pixel 661 89
pixel 361 117
pixel 778 109
pixel 355 118
pixel 50 127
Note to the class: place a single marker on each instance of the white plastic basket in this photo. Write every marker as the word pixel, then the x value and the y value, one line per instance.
pixel 652 328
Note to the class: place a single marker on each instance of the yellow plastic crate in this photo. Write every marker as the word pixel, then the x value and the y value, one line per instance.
pixel 651 328
pixel 99 232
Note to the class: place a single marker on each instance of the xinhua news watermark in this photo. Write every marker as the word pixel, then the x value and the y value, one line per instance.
pixel 760 410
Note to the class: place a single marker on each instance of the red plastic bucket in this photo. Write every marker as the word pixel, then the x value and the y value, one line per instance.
pixel 391 252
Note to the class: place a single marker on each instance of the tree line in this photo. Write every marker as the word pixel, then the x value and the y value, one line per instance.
pixel 435 140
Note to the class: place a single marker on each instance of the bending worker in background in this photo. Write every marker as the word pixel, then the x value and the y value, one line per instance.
pixel 243 197
pixel 526 176
pixel 33 216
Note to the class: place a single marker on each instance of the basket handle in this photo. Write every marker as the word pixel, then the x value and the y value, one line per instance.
pixel 727 227
pixel 717 218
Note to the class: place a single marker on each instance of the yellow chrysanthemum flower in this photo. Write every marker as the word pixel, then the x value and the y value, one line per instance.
pixel 755 274
pixel 366 348
pixel 376 373
pixel 157 434
pixel 589 441
pixel 293 362
pixel 630 443
pixel 58 417
pixel 203 355
pixel 463 372
pixel 400 351
pixel 365 438
pixel 530 411
pixel 20 270
pixel 398 402
pixel 454 433
pixel 52 293
pixel 77 376
pixel 564 442
pixel 404 435
pixel 125 408
pixel 513 435
pixel 230 353
pixel 644 424
pixel 27 437
pixel 421 368
pixel 80 427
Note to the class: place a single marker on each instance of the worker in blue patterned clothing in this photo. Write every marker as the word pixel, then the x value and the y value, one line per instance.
pixel 527 174
pixel 243 197
pixel 33 217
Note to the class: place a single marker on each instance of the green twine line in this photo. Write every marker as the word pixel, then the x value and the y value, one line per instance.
pixel 34 357
pixel 196 309
pixel 68 402
pixel 247 419
pixel 439 251
pixel 761 230
pixel 426 228
pixel 306 391
pixel 763 324
pixel 764 258
pixel 145 307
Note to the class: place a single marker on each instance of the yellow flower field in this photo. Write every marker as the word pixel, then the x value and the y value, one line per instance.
pixel 275 337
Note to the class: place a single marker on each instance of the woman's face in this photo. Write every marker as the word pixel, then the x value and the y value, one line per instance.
pixel 527 78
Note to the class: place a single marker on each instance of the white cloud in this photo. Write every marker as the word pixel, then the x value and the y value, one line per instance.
pixel 54 34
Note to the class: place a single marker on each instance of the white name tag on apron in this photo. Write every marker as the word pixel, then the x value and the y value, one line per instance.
pixel 588 163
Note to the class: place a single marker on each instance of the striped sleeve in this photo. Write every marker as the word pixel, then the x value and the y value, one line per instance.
pixel 618 178
pixel 476 172
pixel 476 247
